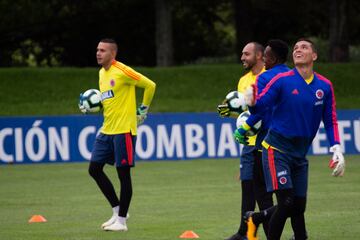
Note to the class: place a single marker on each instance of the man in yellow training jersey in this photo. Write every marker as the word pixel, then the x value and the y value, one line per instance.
pixel 115 144
pixel 252 182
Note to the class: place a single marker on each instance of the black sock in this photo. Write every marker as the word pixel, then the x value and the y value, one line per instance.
pixel 298 219
pixel 126 190
pixel 263 216
pixel 285 199
pixel 247 203
pixel 263 198
pixel 105 185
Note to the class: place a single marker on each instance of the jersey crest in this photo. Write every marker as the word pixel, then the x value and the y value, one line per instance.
pixel 319 94
pixel 112 82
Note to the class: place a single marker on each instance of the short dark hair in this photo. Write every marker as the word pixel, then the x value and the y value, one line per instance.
pixel 110 40
pixel 258 47
pixel 312 44
pixel 280 49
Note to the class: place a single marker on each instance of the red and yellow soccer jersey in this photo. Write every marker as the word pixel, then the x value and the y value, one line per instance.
pixel 244 82
pixel 117 87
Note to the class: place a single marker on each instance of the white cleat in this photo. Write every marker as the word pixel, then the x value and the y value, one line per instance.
pixel 112 220
pixel 117 226
pixel 109 222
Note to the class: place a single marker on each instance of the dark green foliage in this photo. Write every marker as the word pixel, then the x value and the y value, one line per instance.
pixel 65 33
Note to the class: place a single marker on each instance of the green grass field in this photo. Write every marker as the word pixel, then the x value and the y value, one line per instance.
pixel 195 88
pixel 169 198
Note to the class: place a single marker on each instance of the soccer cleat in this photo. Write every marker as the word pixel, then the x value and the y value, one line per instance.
pixel 237 236
pixel 116 226
pixel 252 227
pixel 112 220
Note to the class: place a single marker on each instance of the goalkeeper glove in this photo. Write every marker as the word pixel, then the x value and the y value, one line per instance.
pixel 250 95
pixel 337 162
pixel 240 134
pixel 81 106
pixel 141 114
pixel 224 110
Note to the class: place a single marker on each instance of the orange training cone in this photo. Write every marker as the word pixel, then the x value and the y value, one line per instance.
pixel 189 234
pixel 37 218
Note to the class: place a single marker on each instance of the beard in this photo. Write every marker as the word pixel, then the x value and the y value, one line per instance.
pixel 250 64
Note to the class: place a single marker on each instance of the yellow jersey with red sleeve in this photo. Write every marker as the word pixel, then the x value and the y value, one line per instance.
pixel 245 81
pixel 117 87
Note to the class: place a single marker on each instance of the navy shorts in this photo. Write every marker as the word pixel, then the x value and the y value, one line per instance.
pixel 282 171
pixel 118 149
pixel 247 159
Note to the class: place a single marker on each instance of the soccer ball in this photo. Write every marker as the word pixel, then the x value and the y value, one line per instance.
pixel 91 100
pixel 236 102
pixel 242 118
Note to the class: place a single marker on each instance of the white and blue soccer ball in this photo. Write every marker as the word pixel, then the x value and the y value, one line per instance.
pixel 242 118
pixel 91 100
pixel 236 102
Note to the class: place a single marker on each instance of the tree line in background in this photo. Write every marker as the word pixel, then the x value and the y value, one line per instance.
pixel 168 32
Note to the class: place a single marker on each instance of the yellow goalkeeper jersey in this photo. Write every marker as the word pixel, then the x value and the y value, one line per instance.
pixel 245 81
pixel 117 87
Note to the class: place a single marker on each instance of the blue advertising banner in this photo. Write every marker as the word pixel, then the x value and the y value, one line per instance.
pixel 166 136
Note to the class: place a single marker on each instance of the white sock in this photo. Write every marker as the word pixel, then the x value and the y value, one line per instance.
pixel 122 220
pixel 116 210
